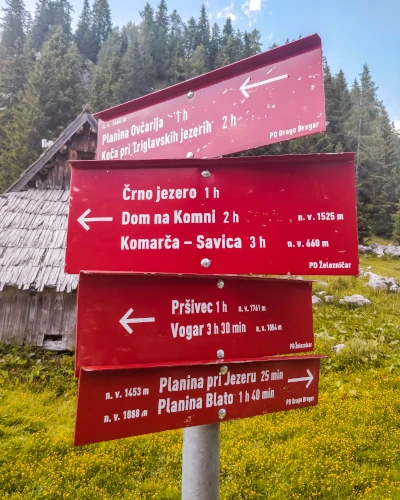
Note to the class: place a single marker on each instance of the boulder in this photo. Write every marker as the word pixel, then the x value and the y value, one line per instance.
pixel 392 250
pixel 364 249
pixel 337 347
pixel 316 300
pixel 377 282
pixel 329 298
pixel 321 283
pixel 355 300
pixel 380 250
pixel 377 285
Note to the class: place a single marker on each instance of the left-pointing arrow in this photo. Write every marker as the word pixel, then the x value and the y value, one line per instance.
pixel 309 379
pixel 83 219
pixel 126 320
pixel 246 87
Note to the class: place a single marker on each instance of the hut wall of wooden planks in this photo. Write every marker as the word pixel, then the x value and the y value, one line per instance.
pixel 44 319
pixel 37 299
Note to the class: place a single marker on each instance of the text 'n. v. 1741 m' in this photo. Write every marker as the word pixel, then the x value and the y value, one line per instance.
pixel 136 319
pixel 251 215
pixel 268 98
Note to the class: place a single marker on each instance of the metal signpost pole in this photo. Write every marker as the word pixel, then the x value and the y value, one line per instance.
pixel 200 463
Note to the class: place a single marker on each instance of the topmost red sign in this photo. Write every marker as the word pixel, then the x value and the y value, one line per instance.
pixel 267 98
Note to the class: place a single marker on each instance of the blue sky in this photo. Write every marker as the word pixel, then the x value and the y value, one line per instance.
pixel 353 31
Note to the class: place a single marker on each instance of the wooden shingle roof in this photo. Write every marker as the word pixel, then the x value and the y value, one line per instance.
pixel 33 227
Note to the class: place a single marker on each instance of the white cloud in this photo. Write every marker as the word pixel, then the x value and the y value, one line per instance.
pixel 251 7
pixel 227 12
pixel 270 36
pixel 397 125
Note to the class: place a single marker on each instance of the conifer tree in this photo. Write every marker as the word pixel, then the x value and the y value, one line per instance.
pixel 100 26
pixel 52 98
pixel 62 16
pixel 385 177
pixel 104 88
pixel 203 38
pixel 396 226
pixel 176 48
pixel 230 45
pixel 196 64
pixel 49 15
pixel 13 76
pixel 191 38
pixel 12 27
pixel 14 59
pixel 363 139
pixel 161 52
pixel 215 46
pixel 82 35
pixel 341 109
pixel 137 68
pixel 227 30
pixel 251 43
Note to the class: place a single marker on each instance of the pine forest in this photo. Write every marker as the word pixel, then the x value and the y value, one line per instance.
pixel 49 72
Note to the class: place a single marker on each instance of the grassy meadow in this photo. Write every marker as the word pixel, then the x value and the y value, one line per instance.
pixel 348 447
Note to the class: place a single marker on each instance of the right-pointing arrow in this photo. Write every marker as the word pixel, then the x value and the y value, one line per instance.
pixel 126 320
pixel 310 378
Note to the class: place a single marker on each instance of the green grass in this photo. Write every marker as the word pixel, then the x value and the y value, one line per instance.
pixel 348 447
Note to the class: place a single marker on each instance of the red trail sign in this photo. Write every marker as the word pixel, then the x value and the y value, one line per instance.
pixel 135 319
pixel 271 97
pixel 251 215
pixel 120 403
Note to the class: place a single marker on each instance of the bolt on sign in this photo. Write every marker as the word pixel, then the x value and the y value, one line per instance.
pixel 268 98
pixel 136 319
pixel 123 402
pixel 250 215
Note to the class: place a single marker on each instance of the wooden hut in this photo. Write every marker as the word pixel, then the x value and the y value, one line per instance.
pixel 37 299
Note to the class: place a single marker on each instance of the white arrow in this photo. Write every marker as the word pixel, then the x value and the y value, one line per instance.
pixel 125 320
pixel 245 87
pixel 83 219
pixel 310 378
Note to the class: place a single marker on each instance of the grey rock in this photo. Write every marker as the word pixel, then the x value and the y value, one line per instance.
pixel 392 250
pixel 321 293
pixel 395 288
pixel 355 300
pixel 364 249
pixel 316 300
pixel 321 283
pixel 380 250
pixel 337 347
pixel 329 298
pixel 377 285
pixel 377 282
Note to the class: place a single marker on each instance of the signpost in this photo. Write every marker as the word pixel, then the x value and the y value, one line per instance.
pixel 165 351
pixel 256 215
pixel 136 319
pixel 122 402
pixel 268 98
